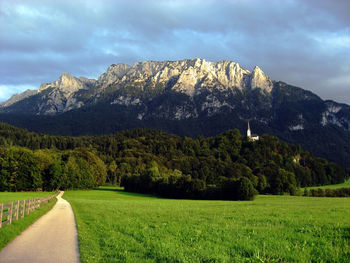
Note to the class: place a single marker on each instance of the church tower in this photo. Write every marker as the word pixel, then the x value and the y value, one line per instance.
pixel 253 137
pixel 249 134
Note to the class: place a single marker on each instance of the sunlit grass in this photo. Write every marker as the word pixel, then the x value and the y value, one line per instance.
pixel 332 186
pixel 115 226
pixel 7 197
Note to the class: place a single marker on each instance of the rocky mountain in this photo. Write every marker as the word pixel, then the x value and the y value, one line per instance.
pixel 187 97
pixel 18 97
pixel 139 83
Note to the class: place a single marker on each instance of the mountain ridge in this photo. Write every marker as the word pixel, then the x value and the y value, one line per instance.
pixel 189 98
pixel 189 76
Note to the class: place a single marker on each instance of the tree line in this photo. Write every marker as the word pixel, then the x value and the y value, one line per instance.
pixel 228 166
pixel 328 192
pixel 22 169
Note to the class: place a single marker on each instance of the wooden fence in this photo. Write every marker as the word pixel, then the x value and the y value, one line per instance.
pixel 17 209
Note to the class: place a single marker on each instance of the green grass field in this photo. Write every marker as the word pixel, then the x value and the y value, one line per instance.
pixel 7 197
pixel 332 186
pixel 115 226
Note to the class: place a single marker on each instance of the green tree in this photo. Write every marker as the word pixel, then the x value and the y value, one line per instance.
pixel 246 190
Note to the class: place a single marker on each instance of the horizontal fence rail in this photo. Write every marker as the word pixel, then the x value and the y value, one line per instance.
pixel 17 209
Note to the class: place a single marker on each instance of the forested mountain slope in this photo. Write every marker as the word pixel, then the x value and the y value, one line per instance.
pixel 155 162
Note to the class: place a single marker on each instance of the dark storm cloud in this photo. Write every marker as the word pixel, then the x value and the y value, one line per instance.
pixel 302 42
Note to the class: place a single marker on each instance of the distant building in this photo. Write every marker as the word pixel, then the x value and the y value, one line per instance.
pixel 253 137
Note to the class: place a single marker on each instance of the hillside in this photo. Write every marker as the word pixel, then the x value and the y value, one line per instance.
pixel 151 161
pixel 188 98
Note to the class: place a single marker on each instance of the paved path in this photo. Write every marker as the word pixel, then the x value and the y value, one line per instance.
pixel 53 238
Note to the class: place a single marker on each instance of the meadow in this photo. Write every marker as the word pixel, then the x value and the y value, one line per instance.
pixel 9 232
pixel 332 186
pixel 116 226
pixel 7 197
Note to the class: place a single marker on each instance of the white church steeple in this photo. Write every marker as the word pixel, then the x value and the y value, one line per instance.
pixel 249 134
pixel 253 137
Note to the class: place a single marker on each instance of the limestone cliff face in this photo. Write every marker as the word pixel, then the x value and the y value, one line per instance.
pixel 191 78
pixel 67 84
pixel 187 76
pixel 60 95
pixel 258 79
pixel 197 75
pixel 113 74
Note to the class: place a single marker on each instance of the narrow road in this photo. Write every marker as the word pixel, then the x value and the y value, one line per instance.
pixel 53 238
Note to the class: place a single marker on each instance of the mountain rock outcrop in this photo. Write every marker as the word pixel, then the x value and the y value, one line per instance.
pixel 258 79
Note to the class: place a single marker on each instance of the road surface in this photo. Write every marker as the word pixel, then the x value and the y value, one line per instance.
pixel 52 238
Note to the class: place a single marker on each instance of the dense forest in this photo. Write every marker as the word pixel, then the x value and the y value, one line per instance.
pixel 228 166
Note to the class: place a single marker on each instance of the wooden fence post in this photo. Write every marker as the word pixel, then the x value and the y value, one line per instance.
pixel 10 213
pixel 27 206
pixel 23 202
pixel 17 212
pixel 1 208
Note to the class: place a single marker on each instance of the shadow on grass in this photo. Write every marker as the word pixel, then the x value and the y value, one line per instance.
pixel 121 191
pixel 346 233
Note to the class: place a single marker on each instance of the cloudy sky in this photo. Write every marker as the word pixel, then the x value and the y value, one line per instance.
pixel 302 42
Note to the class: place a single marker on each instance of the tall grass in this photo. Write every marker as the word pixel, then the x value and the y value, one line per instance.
pixel 115 226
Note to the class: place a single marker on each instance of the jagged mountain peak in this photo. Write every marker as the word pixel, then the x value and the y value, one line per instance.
pixel 66 83
pixel 257 69
pixel 260 80
pixel 153 67
pixel 113 73
pixel 66 77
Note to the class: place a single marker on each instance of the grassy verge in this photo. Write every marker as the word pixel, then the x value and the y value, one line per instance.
pixel 114 226
pixel 9 232
pixel 331 186
pixel 7 197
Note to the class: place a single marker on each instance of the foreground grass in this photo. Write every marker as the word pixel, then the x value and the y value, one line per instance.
pixel 116 226
pixel 9 232
pixel 7 197
pixel 331 186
